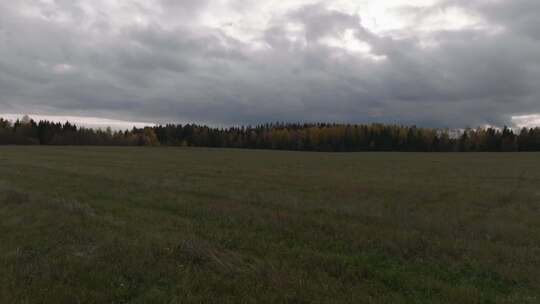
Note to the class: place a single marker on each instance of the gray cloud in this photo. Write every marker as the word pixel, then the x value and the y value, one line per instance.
pixel 163 61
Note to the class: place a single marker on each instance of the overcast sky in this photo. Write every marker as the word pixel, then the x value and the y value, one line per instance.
pixel 433 63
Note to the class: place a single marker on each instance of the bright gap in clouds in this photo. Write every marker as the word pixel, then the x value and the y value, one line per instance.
pixel 526 121
pixel 88 122
pixel 396 19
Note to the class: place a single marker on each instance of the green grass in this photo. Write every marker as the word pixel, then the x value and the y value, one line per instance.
pixel 169 225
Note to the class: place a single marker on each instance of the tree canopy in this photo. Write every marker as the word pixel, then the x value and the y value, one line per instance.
pixel 279 136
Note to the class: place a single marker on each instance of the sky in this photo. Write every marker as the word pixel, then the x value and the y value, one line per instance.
pixel 435 63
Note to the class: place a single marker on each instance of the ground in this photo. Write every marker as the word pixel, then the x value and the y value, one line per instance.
pixel 181 225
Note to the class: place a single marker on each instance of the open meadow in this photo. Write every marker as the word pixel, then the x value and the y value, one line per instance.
pixel 186 225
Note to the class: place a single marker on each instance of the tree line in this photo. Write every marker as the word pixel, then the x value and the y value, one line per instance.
pixel 278 136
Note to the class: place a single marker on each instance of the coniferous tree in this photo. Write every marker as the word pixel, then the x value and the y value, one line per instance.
pixel 303 137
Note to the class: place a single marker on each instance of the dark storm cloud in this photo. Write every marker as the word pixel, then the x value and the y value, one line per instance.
pixel 161 63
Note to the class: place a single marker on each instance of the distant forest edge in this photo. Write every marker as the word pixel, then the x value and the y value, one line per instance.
pixel 279 136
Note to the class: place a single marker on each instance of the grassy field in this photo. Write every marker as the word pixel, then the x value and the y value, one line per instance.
pixel 170 225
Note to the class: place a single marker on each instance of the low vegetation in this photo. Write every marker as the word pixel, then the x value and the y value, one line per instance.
pixel 189 225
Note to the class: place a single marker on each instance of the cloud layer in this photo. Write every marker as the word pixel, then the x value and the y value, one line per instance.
pixel 430 62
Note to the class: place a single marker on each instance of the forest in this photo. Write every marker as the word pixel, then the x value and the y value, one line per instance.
pixel 278 136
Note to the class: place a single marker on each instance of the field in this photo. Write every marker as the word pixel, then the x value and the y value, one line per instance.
pixel 180 225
